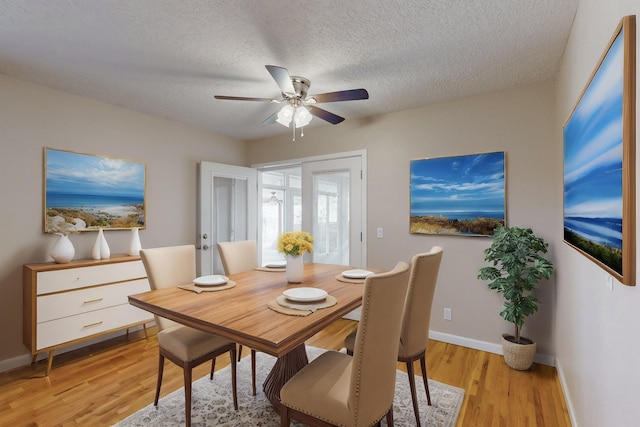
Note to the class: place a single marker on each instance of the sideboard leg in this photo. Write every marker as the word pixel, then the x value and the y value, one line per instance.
pixel 49 362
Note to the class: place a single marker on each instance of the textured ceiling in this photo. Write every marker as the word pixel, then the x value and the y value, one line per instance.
pixel 169 58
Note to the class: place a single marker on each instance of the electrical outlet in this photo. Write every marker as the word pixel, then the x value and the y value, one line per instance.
pixel 447 313
pixel 380 232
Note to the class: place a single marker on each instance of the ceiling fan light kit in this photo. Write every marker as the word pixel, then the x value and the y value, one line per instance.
pixel 298 109
pixel 299 115
pixel 302 117
pixel 285 115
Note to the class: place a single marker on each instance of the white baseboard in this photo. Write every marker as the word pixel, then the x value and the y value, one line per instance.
pixel 495 348
pixel 15 362
pixel 565 392
pixel 25 359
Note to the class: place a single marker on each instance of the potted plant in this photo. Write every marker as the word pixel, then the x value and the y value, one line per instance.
pixel 517 265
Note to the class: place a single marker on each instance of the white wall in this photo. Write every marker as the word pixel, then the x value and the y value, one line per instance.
pixel 519 122
pixel 596 329
pixel 32 117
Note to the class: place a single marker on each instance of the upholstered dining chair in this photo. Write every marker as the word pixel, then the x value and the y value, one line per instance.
pixel 415 320
pixel 337 389
pixel 237 257
pixel 184 346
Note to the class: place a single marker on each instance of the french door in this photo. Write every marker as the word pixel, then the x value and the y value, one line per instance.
pixel 227 211
pixel 332 210
pixel 323 195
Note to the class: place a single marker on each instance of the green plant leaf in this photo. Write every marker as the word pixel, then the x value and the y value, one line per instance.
pixel 516 266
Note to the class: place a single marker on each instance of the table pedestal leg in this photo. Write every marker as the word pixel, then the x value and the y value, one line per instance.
pixel 286 367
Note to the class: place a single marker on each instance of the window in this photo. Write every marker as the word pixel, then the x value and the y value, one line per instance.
pixel 281 208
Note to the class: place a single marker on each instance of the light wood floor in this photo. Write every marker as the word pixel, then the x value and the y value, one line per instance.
pixel 104 383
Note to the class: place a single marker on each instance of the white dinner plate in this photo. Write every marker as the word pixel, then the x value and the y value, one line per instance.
pixel 276 264
pixel 213 280
pixel 305 294
pixel 356 274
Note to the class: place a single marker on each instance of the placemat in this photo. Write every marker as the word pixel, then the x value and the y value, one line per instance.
pixel 282 305
pixel 272 269
pixel 341 278
pixel 197 289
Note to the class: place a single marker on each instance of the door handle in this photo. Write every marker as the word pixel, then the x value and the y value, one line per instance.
pixel 205 247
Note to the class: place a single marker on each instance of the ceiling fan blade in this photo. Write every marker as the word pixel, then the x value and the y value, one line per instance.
pixel 244 98
pixel 271 119
pixel 281 76
pixel 343 95
pixel 334 119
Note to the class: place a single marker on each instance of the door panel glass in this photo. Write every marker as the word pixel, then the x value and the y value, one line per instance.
pixel 281 209
pixel 331 217
pixel 230 203
pixel 334 212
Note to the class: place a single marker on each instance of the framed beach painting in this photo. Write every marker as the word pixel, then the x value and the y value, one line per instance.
pixel 85 192
pixel 460 195
pixel 599 161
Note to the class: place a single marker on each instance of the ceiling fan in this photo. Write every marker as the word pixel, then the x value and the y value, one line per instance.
pixel 299 108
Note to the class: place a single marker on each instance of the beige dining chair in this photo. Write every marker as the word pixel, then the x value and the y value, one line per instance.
pixel 337 389
pixel 237 257
pixel 415 320
pixel 184 346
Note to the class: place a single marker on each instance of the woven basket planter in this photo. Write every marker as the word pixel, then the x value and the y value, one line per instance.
pixel 518 356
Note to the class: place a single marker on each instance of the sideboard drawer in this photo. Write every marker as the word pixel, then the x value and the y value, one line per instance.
pixel 82 277
pixel 83 325
pixel 55 306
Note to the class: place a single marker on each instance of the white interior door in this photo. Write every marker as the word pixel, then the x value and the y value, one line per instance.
pixel 332 210
pixel 227 210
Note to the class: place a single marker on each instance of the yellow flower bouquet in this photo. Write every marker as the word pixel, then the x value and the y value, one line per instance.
pixel 295 243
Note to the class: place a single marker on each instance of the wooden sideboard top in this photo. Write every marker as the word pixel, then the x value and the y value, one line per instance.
pixel 48 266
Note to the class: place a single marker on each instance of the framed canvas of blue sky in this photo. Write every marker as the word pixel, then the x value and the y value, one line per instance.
pixel 460 195
pixel 85 192
pixel 599 161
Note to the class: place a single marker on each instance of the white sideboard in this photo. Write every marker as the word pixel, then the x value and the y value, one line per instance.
pixel 69 303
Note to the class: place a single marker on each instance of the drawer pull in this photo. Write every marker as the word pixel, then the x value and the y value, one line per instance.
pixel 92 324
pixel 89 301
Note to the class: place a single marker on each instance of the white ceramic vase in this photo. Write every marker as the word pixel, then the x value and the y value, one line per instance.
pixel 295 269
pixel 134 243
pixel 95 252
pixel 63 251
pixel 105 252
pixel 100 247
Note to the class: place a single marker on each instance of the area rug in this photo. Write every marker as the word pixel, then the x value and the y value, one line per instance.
pixel 212 403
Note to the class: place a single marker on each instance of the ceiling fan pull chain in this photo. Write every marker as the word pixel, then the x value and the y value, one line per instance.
pixel 294 131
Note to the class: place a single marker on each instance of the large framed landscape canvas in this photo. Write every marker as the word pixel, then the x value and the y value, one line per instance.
pixel 459 195
pixel 85 192
pixel 599 161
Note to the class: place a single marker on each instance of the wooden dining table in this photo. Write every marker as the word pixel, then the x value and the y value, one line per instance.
pixel 242 314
